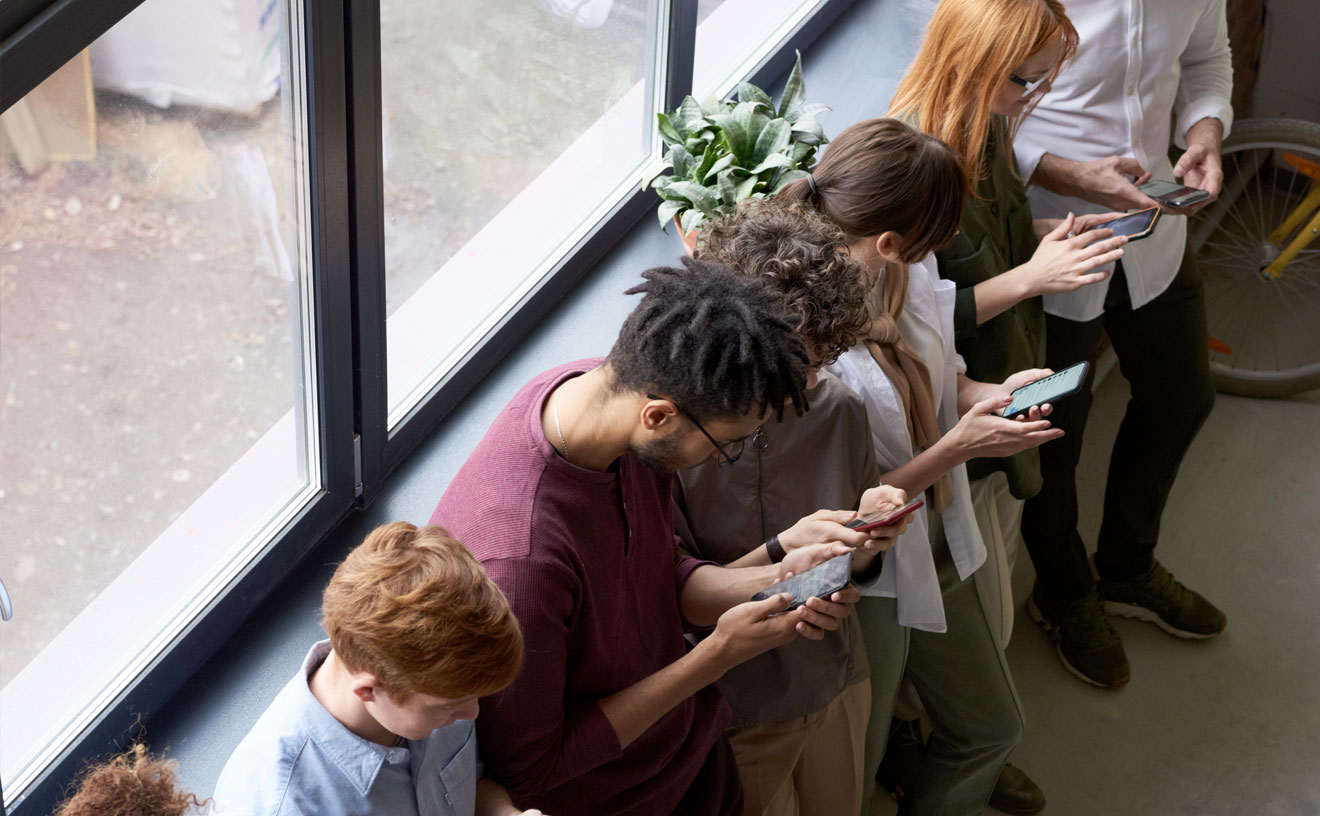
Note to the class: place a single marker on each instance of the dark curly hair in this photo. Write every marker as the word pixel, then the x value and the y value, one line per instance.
pixel 131 784
pixel 804 257
pixel 717 344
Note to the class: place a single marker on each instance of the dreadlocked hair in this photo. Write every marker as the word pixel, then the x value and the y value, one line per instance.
pixel 716 344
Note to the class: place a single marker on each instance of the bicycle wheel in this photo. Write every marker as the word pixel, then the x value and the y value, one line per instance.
pixel 1265 333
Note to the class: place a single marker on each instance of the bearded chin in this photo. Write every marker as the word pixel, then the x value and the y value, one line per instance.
pixel 660 455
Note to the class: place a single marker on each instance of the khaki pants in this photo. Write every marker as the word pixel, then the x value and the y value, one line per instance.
pixel 999 517
pixel 807 765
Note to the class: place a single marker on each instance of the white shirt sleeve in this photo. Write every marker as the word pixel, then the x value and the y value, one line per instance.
pixel 1205 89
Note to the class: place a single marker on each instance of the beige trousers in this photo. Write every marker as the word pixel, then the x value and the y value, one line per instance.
pixel 999 517
pixel 808 765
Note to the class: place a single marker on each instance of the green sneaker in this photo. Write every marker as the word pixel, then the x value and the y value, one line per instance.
pixel 1086 642
pixel 1158 597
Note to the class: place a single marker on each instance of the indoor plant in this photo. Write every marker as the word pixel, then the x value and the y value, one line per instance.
pixel 722 152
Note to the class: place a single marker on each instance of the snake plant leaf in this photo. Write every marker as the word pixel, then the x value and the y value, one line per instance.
pixel 736 129
pixel 690 220
pixel 680 160
pixel 668 131
pixel 722 163
pixel 801 152
pixel 666 212
pixel 701 172
pixel 691 120
pixel 806 109
pixel 772 161
pixel 700 196
pixel 745 188
pixel 808 131
pixel 787 178
pixel 712 105
pixel 772 140
pixel 795 90
pixel 728 190
pixel 747 92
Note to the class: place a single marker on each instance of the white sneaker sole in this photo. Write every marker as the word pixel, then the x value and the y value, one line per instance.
pixel 1136 612
pixel 1035 614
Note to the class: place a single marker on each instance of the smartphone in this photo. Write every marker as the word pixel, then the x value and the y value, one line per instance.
pixel 821 581
pixel 1173 194
pixel 1048 389
pixel 882 520
pixel 1135 225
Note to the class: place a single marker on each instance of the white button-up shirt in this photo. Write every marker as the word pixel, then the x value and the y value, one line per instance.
pixel 926 323
pixel 1137 61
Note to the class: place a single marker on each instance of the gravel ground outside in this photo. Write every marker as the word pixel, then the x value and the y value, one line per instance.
pixel 146 337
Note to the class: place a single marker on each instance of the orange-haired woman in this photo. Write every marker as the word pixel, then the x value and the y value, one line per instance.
pixel 982 65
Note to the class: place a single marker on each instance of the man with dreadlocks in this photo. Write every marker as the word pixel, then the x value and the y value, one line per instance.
pixel 566 501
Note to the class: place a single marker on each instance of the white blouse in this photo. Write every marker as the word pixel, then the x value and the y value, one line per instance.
pixel 909 568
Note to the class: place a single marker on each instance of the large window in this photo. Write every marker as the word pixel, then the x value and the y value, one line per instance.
pixel 248 246
pixel 508 125
pixel 153 350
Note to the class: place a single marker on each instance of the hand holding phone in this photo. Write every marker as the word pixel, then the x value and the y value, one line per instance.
pixel 1051 389
pixel 821 581
pixel 867 523
pixel 1173 194
pixel 1135 225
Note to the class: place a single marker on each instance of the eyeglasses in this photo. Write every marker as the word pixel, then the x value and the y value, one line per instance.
pixel 730 451
pixel 1029 87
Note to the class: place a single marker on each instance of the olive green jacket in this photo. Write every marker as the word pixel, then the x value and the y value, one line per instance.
pixel 996 235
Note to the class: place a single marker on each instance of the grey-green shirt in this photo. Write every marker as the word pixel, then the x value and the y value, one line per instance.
pixel 822 460
pixel 996 235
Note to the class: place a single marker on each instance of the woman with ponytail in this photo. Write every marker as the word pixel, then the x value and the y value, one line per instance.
pixel 897 194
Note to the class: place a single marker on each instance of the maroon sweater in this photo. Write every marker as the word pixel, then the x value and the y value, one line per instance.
pixel 589 563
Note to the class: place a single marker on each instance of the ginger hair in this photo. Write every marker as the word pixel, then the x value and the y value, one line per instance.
pixel 971 48
pixel 413 607
pixel 130 784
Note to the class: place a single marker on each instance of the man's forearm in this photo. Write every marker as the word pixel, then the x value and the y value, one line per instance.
pixel 1058 175
pixel 636 708
pixel 1208 132
pixel 711 591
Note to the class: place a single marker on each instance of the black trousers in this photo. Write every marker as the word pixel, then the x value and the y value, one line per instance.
pixel 1162 351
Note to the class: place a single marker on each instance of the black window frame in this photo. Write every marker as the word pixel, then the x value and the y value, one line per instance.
pixel 343 80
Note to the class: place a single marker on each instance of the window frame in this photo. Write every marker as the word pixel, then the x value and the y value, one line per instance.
pixel 345 184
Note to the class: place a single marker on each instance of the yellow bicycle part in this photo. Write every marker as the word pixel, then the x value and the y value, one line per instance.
pixel 1309 205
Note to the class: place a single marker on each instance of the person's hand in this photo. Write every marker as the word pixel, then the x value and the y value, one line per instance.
pixel 1201 166
pixel 1064 261
pixel 1110 182
pixel 804 558
pixel 882 499
pixel 1016 381
pixel 822 527
pixel 982 432
pixel 754 627
pixel 1082 223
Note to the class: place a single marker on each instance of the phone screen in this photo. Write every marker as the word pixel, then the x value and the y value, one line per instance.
pixel 820 581
pixel 1136 224
pixel 1047 389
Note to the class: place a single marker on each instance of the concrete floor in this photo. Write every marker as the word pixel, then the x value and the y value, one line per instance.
pixel 1226 726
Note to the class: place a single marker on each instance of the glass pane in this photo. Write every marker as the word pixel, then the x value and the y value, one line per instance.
pixel 508 127
pixel 734 35
pixel 154 366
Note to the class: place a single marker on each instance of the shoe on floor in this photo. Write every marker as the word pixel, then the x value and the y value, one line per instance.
pixel 904 753
pixel 1158 597
pixel 1084 638
pixel 1015 793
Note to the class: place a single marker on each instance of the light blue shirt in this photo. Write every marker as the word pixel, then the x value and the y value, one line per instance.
pixel 298 760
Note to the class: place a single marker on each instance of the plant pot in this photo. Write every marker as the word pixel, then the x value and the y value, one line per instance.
pixel 689 239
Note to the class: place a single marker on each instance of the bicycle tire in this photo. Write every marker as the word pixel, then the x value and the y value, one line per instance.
pixel 1268 331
